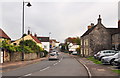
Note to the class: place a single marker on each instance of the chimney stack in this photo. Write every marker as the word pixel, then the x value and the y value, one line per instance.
pixel 35 35
pixel 90 26
pixel 28 32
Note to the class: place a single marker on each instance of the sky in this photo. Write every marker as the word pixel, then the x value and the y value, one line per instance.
pixel 63 18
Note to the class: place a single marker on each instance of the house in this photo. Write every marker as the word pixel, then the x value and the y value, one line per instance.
pixel 4 36
pixel 28 37
pixel 116 38
pixel 45 43
pixel 73 46
pixel 54 43
pixel 97 38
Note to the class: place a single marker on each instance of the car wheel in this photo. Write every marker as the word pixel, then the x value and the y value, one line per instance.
pixel 112 62
pixel 100 58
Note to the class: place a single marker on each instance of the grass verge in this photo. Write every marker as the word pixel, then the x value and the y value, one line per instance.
pixel 116 71
pixel 94 60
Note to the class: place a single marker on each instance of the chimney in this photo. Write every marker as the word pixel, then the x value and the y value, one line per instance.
pixel 28 32
pixel 90 26
pixel 35 35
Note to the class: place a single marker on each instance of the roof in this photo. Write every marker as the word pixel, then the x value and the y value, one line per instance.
pixel 88 31
pixel 35 38
pixel 53 41
pixel 4 35
pixel 43 39
pixel 111 30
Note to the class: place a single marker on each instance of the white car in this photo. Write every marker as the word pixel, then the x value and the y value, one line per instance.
pixel 74 53
pixel 110 59
pixel 103 53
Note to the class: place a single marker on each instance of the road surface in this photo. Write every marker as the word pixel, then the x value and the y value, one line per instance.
pixel 65 66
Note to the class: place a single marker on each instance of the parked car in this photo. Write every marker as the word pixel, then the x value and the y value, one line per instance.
pixel 110 59
pixel 116 62
pixel 74 53
pixel 103 53
pixel 53 56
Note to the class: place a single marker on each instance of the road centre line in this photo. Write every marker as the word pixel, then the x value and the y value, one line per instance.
pixel 45 68
pixel 28 74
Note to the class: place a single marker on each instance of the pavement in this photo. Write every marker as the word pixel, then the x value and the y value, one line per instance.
pixel 98 70
pixel 8 66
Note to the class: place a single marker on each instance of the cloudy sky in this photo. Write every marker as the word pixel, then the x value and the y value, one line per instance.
pixel 63 18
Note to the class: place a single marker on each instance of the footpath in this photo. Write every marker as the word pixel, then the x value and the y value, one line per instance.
pixel 13 65
pixel 97 70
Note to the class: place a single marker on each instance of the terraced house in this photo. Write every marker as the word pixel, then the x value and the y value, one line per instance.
pixel 98 37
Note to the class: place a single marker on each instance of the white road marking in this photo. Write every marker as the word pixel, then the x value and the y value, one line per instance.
pixel 45 68
pixel 55 64
pixel 28 74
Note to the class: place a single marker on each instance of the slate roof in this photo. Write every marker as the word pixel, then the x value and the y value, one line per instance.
pixel 88 31
pixel 4 35
pixel 43 39
pixel 110 30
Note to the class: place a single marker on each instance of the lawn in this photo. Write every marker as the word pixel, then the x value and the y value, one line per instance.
pixel 94 60
pixel 116 71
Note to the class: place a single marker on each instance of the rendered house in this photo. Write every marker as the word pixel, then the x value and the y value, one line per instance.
pixel 54 43
pixel 97 38
pixel 28 37
pixel 45 43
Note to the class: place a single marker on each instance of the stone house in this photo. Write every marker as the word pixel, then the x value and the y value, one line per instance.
pixel 116 38
pixel 96 38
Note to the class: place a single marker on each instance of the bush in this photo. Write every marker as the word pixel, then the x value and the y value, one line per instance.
pixel 31 46
pixel 25 49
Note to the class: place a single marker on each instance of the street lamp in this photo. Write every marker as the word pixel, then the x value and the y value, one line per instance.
pixel 28 4
pixel 49 42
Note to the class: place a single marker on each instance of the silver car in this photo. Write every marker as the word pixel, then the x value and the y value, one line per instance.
pixel 117 62
pixel 104 53
pixel 110 59
pixel 53 56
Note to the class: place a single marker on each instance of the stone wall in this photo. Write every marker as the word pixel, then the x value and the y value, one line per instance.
pixel 30 56
pixel 17 56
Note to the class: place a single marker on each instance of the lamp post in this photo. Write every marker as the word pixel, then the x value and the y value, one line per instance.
pixel 49 42
pixel 28 4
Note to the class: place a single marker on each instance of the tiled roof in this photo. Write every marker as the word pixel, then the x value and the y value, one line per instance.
pixel 43 39
pixel 35 38
pixel 3 34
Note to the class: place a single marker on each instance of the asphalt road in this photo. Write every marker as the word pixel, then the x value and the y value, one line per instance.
pixel 65 66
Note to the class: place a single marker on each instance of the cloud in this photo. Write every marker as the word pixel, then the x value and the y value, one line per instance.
pixel 62 19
